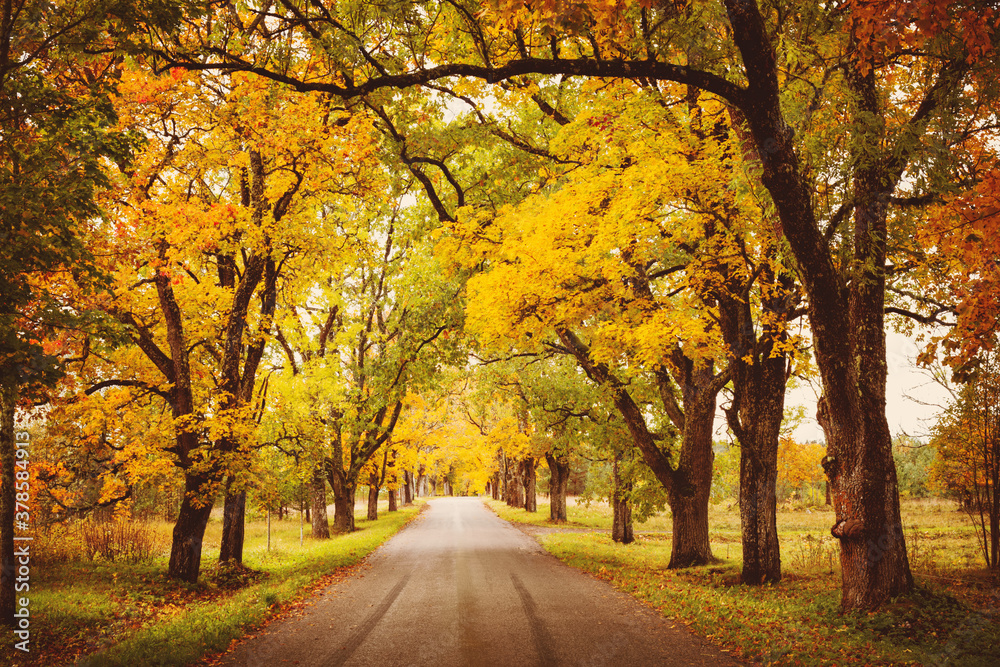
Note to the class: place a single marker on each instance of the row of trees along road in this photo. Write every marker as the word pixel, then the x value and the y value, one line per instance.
pixel 656 192
pixel 898 91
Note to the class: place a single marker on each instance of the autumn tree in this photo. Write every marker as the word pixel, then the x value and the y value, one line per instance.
pixel 967 439
pixel 58 135
pixel 802 77
pixel 385 318
pixel 203 234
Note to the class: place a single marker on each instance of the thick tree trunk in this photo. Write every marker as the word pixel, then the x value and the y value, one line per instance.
pixel 343 503
pixel 529 477
pixel 846 309
pixel 373 497
pixel 393 503
pixel 515 487
pixel 407 487
pixel 759 377
pixel 8 454
pixel 558 479
pixel 421 483
pixel 758 516
pixel 621 505
pixel 233 523
pixel 189 531
pixel 859 463
pixel 863 484
pixel 320 522
pixel 690 495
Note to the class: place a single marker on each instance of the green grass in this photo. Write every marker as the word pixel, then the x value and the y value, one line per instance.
pixel 949 619
pixel 132 614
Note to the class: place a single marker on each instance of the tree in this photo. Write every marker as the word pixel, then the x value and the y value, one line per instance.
pixel 967 439
pixel 785 69
pixel 57 127
pixel 360 331
pixel 202 237
pixel 914 459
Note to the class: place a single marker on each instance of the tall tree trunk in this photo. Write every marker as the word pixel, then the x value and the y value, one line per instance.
pixel 393 502
pixel 407 487
pixel 343 502
pixel 320 522
pixel 758 516
pixel 189 531
pixel 233 522
pixel 8 449
pixel 621 505
pixel 759 376
pixel 421 482
pixel 373 497
pixel 846 308
pixel 558 480
pixel 515 487
pixel 528 478
pixel 690 494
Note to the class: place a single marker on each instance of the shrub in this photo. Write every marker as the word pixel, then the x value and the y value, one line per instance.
pixel 58 543
pixel 119 539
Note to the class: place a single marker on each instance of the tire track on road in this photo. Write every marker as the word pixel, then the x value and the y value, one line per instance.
pixel 345 652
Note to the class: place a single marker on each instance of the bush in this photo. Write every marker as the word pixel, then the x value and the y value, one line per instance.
pixel 58 543
pixel 119 539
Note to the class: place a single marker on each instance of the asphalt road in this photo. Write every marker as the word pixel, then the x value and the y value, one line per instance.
pixel 459 586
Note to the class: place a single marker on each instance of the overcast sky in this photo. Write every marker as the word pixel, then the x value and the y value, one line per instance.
pixel 913 400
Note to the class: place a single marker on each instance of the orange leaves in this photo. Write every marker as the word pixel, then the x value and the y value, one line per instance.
pixel 882 28
pixel 962 238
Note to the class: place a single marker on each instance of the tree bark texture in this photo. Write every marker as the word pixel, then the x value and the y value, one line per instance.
pixel 320 523
pixel 515 486
pixel 189 530
pixel 759 369
pixel 407 487
pixel 690 493
pixel 528 477
pixel 343 502
pixel 621 505
pixel 373 497
pixel 8 455
pixel 558 480
pixel 234 520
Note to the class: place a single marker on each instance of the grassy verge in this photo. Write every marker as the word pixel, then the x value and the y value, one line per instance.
pixel 131 614
pixel 951 618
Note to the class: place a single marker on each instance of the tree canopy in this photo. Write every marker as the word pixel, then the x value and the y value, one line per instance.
pixel 455 237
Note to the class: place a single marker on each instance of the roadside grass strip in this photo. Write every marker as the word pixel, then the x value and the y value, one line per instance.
pixel 951 618
pixel 96 614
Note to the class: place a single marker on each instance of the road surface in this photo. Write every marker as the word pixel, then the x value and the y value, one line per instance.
pixel 460 586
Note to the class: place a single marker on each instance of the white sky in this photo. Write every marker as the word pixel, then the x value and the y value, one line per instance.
pixel 913 400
